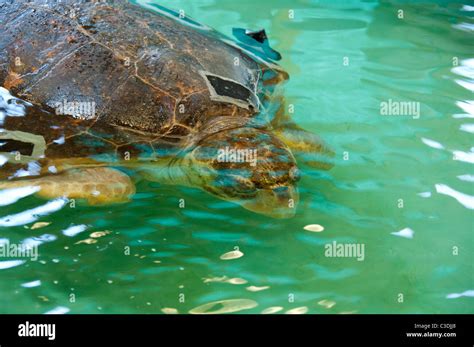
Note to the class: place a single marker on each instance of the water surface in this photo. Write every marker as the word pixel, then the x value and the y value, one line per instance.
pixel 391 173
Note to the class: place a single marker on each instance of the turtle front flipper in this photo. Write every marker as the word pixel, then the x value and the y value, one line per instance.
pixel 305 145
pixel 96 185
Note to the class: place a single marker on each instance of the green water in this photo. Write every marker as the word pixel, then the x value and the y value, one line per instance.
pixel 344 59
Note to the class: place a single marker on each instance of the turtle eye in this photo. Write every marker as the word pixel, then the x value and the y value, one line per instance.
pixel 295 174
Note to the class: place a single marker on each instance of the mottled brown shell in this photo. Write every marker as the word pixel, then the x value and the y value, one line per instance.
pixel 144 72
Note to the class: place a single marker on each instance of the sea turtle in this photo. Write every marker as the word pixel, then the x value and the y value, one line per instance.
pixel 111 86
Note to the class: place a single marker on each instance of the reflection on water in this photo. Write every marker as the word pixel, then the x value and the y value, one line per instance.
pixel 32 215
pixel 401 186
pixel 224 306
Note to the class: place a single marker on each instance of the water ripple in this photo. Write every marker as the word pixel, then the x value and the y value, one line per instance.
pixel 464 199
pixel 32 215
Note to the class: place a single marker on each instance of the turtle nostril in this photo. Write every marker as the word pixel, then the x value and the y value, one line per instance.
pixel 295 174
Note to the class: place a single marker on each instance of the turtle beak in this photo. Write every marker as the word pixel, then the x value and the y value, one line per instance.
pixel 279 202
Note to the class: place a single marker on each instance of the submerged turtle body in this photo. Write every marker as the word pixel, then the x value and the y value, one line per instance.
pixel 108 81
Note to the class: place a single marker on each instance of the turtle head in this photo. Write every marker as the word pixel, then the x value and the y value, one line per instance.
pixel 250 167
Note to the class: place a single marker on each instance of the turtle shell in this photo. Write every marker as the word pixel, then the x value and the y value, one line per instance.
pixel 142 71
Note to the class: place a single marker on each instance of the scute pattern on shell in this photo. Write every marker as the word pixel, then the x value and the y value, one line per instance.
pixel 140 69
